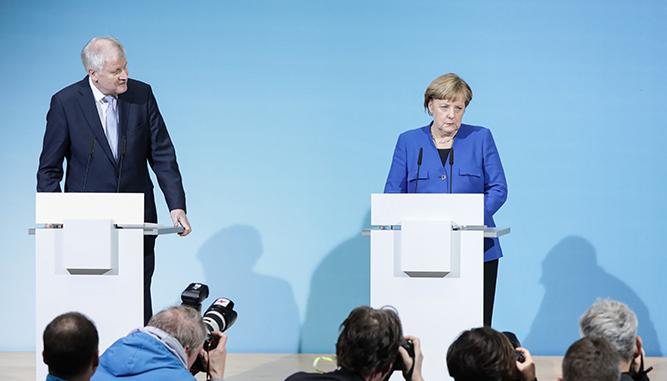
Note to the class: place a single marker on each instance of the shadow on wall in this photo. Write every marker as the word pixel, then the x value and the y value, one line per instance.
pixel 340 283
pixel 268 318
pixel 573 280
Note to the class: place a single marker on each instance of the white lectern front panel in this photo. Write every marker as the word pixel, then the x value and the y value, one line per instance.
pixel 112 299
pixel 435 308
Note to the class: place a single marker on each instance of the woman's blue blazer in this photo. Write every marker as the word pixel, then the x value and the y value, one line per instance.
pixel 476 169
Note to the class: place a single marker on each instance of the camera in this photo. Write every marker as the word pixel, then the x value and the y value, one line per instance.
pixel 410 347
pixel 218 317
pixel 515 344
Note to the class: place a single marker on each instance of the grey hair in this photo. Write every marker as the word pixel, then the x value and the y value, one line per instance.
pixel 97 52
pixel 614 321
pixel 183 323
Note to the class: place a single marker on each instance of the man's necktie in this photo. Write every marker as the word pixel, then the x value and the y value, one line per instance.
pixel 111 130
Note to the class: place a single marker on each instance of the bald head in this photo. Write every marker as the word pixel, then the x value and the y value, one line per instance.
pixel 70 346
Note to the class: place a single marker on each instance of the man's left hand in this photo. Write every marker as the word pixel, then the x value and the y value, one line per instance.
pixel 179 218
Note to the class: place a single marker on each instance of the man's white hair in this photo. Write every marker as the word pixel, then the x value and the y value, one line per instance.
pixel 97 51
pixel 613 321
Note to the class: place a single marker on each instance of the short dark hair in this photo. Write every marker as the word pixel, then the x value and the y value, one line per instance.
pixel 482 354
pixel 70 345
pixel 591 359
pixel 369 340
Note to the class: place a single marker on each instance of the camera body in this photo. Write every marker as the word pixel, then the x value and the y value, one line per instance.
pixel 515 344
pixel 410 348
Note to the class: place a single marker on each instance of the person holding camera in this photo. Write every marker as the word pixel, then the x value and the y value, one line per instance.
pixel 486 354
pixel 370 347
pixel 166 349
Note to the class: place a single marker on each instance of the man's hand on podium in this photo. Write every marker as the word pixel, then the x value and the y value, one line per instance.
pixel 179 218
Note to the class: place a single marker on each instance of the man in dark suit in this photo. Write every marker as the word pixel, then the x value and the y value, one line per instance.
pixel 109 128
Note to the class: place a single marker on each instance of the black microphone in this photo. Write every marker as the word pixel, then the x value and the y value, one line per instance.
pixel 91 150
pixel 120 164
pixel 451 168
pixel 419 165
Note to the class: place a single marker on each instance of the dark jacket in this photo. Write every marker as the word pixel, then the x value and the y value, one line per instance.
pixel 337 375
pixel 74 132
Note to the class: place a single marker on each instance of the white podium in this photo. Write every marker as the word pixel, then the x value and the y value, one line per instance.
pixel 427 256
pixel 89 258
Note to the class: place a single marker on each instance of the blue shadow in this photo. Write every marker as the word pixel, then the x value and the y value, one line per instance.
pixel 339 283
pixel 573 280
pixel 268 318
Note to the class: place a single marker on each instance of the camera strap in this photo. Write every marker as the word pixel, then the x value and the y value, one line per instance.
pixel 640 374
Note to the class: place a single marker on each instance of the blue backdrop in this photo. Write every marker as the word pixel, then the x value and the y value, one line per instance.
pixel 285 115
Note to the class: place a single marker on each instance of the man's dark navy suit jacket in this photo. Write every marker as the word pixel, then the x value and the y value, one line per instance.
pixel 74 132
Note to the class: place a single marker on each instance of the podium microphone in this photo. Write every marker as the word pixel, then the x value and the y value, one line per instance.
pixel 451 168
pixel 120 164
pixel 91 150
pixel 419 165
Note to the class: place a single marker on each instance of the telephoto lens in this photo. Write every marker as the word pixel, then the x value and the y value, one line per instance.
pixel 218 317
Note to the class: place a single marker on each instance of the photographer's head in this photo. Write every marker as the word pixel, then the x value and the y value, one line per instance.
pixel 616 323
pixel 592 359
pixel 368 342
pixel 186 325
pixel 484 354
pixel 71 347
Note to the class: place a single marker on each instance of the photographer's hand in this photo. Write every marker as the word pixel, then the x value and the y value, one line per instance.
pixel 527 367
pixel 636 363
pixel 217 357
pixel 408 361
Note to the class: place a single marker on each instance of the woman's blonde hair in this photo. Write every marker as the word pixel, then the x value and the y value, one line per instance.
pixel 449 87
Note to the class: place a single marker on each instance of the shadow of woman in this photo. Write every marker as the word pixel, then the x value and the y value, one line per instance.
pixel 339 283
pixel 268 318
pixel 573 280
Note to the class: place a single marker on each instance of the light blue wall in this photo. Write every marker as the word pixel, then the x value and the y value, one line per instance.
pixel 285 114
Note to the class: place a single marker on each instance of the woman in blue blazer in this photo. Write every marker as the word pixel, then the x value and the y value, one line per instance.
pixel 455 158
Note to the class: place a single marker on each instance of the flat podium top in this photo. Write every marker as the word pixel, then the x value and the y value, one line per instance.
pixel 149 228
pixel 489 232
pixel 124 210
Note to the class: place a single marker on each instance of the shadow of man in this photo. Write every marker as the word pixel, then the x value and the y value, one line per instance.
pixel 339 283
pixel 573 280
pixel 268 315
